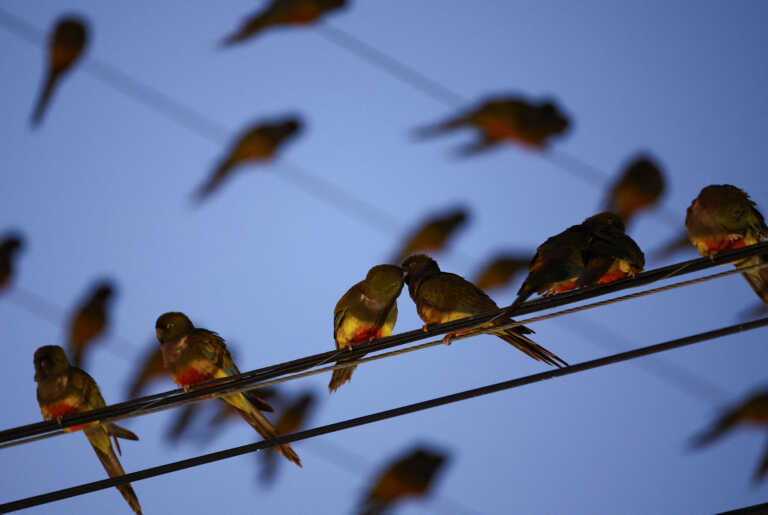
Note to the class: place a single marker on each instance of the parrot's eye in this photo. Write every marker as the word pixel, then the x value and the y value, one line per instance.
pixel 168 325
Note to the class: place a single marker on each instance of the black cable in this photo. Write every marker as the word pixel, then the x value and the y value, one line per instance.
pixel 252 378
pixel 378 416
pixel 757 509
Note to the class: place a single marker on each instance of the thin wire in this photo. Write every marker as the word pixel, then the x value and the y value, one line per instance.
pixel 756 509
pixel 378 416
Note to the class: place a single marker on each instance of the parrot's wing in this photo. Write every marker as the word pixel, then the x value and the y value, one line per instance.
pixel 87 387
pixel 451 292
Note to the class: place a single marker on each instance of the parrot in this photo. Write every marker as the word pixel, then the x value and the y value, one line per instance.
pixel 639 187
pixel 62 390
pixel 506 119
pixel 596 251
pixel 752 412
pixel 65 48
pixel 9 246
pixel 293 419
pixel 366 311
pixel 442 297
pixel 283 12
pixel 723 217
pixel 433 233
pixel 151 368
pixel 409 475
pixel 194 355
pixel 500 270
pixel 90 320
pixel 259 143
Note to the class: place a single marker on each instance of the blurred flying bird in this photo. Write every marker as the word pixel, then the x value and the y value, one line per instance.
pixel 292 419
pixel 639 187
pixel 195 355
pixel 9 246
pixel 366 311
pixel 506 119
pixel 65 47
pixel 500 270
pixel 752 412
pixel 410 475
pixel 433 234
pixel 90 321
pixel 283 12
pixel 65 390
pixel 723 217
pixel 442 297
pixel 259 143
pixel 150 368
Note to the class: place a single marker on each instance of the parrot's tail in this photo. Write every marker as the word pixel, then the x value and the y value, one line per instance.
pixel 264 427
pixel 757 279
pixel 77 354
pixel 99 439
pixel 340 376
pixel 213 183
pixel 268 466
pixel 716 431
pixel 247 31
pixel 439 128
pixel 45 97
pixel 528 346
pixel 762 468
pixel 374 506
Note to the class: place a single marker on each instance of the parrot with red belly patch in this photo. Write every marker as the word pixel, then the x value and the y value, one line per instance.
pixel 639 187
pixel 90 321
pixel 10 245
pixel 724 217
pixel 283 12
pixel 510 119
pixel 194 355
pixel 368 310
pixel 611 254
pixel 65 390
pixel 441 297
pixel 65 47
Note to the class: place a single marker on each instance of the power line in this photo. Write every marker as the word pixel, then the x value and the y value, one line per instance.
pixel 378 416
pixel 757 509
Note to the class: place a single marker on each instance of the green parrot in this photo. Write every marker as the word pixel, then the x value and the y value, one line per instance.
pixel 596 251
pixel 293 418
pixel 442 297
pixel 195 355
pixel 639 187
pixel 9 246
pixel 410 475
pixel 65 47
pixel 433 233
pixel 62 390
pixel 283 12
pixel 752 412
pixel 366 311
pixel 500 270
pixel 502 119
pixel 90 320
pixel 259 143
pixel 723 217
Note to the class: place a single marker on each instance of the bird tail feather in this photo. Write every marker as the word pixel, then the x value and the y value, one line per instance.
pixel 340 376
pixel 530 347
pixel 757 279
pixel 99 439
pixel 45 97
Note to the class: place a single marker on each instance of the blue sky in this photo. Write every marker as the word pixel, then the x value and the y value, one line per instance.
pixel 102 189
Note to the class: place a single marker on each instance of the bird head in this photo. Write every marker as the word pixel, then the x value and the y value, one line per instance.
pixel 50 361
pixel 172 326
pixel 606 218
pixel 418 266
pixel 385 280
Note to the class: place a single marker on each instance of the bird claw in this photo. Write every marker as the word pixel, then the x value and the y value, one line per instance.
pixel 59 419
pixel 427 327
pixel 448 338
pixel 186 388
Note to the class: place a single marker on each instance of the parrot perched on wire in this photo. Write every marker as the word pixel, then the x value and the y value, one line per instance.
pixel 65 47
pixel 62 390
pixel 366 311
pixel 283 12
pixel 410 475
pixel 752 412
pixel 9 246
pixel 259 143
pixel 293 418
pixel 639 187
pixel 502 119
pixel 501 269
pixel 195 355
pixel 90 321
pixel 723 217
pixel 442 297
pixel 596 251
pixel 433 233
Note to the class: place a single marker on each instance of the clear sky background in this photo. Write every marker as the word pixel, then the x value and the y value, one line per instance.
pixel 102 189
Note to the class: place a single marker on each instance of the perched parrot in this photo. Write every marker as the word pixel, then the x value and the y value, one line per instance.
pixel 65 47
pixel 90 320
pixel 594 252
pixel 507 119
pixel 151 368
pixel 259 143
pixel 66 390
pixel 283 12
pixel 752 412
pixel 368 310
pixel 500 270
pixel 10 245
pixel 442 297
pixel 639 187
pixel 195 355
pixel 410 475
pixel 433 233
pixel 293 419
pixel 723 217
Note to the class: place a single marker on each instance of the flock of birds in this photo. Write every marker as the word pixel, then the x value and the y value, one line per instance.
pixel 596 251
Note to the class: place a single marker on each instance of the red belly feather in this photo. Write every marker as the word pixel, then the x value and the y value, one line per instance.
pixel 612 276
pixel 565 285
pixel 191 376
pixel 720 243
pixel 61 409
pixel 365 333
